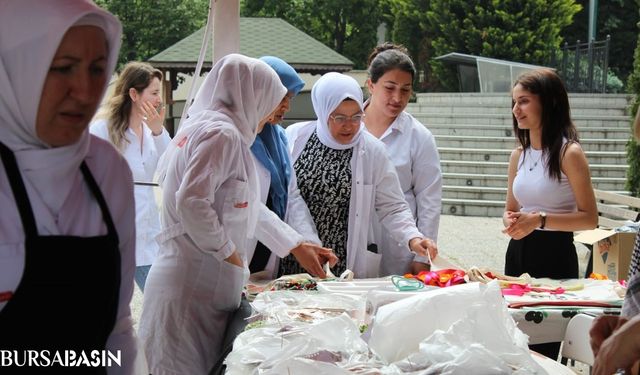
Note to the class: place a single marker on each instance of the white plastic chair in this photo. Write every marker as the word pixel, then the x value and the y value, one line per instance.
pixel 576 344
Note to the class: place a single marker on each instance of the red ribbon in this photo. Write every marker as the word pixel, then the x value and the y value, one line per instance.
pixel 440 278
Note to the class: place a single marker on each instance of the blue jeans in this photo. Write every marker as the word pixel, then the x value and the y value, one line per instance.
pixel 141 276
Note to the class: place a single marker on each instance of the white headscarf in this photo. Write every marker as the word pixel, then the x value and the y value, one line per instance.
pixel 30 33
pixel 326 95
pixel 238 88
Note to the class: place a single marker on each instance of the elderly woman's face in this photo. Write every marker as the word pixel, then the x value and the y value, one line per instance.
pixel 73 86
pixel 344 121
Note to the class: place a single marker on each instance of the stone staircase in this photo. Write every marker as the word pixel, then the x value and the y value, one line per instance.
pixel 474 135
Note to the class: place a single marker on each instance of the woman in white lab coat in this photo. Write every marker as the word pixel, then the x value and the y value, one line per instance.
pixel 412 149
pixel 133 122
pixel 346 177
pixel 210 209
pixel 279 191
pixel 67 224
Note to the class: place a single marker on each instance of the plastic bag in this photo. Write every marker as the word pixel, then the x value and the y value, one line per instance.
pixel 456 330
pixel 268 348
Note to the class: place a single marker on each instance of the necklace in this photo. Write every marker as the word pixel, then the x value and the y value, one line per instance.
pixel 535 164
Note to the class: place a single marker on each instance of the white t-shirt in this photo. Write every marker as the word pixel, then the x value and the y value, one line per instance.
pixel 536 191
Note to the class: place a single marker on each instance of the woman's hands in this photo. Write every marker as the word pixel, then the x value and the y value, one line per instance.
pixel 152 117
pixel 417 267
pixel 615 343
pixel 312 257
pixel 235 259
pixel 520 224
pixel 424 246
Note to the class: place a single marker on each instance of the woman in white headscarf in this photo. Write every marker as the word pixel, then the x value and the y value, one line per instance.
pixel 346 177
pixel 211 205
pixel 67 226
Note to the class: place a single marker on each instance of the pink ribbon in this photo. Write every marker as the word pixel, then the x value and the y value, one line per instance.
pixel 520 290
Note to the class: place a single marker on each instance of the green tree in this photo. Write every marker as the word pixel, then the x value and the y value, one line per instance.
pixel 150 26
pixel 522 31
pixel 348 27
pixel 616 18
pixel 408 24
pixel 633 149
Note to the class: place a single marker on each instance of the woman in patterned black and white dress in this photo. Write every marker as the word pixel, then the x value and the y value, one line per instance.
pixel 345 176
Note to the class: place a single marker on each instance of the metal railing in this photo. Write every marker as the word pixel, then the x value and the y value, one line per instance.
pixel 584 66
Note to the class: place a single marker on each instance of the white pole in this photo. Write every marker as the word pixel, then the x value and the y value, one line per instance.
pixel 226 28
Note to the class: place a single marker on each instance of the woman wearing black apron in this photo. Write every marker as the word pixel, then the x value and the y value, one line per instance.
pixel 67 226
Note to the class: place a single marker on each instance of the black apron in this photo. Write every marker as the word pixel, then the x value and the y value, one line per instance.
pixel 67 281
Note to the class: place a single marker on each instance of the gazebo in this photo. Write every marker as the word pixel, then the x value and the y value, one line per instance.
pixel 258 37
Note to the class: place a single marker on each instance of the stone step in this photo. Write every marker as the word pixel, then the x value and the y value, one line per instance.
pixel 484 193
pixel 500 181
pixel 474 134
pixel 508 143
pixel 507 131
pixel 474 192
pixel 481 154
pixel 504 99
pixel 470 207
pixel 506 119
pixel 500 168
pixel 421 108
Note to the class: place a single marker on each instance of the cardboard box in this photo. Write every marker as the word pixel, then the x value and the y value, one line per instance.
pixel 611 251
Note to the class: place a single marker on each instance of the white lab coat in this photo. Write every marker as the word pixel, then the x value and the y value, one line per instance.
pixel 79 215
pixel 210 209
pixel 142 161
pixel 190 277
pixel 206 203
pixel 374 189
pixel 300 226
pixel 412 150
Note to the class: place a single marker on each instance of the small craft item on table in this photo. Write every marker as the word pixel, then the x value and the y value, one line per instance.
pixel 440 278
pixel 485 275
pixel 574 292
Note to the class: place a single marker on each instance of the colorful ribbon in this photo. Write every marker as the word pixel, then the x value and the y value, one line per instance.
pixel 520 290
pixel 440 278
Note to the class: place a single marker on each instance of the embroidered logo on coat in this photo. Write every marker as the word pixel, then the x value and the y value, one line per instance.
pixel 241 205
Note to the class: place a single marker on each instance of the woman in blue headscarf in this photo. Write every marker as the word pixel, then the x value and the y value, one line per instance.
pixel 279 191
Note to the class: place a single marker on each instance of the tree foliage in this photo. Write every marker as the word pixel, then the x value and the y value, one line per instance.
pixel 616 18
pixel 348 27
pixel 633 149
pixel 408 24
pixel 522 31
pixel 150 26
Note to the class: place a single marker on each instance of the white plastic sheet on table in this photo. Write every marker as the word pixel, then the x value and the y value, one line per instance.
pixel 461 329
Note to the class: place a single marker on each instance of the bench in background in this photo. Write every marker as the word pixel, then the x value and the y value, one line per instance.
pixel 614 209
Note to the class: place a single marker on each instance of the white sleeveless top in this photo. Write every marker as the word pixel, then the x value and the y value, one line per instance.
pixel 536 191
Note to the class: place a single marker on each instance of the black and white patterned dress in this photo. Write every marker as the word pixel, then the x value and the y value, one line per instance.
pixel 324 180
pixel 631 305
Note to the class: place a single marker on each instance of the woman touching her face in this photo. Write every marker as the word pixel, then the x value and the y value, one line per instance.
pixel 132 120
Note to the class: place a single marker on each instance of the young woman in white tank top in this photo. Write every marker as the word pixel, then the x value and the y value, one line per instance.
pixel 549 186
